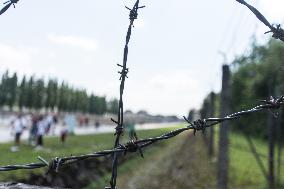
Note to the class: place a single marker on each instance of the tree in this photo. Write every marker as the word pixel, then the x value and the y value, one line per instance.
pixel 12 90
pixel 92 104
pixel 23 93
pixel 64 97
pixel 257 76
pixel 39 95
pixel 97 105
pixel 51 94
pixel 112 106
pixel 4 88
pixel 30 93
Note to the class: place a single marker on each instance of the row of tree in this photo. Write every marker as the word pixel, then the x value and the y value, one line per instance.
pixel 32 93
pixel 255 76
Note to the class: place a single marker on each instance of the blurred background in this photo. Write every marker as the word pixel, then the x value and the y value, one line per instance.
pixel 59 88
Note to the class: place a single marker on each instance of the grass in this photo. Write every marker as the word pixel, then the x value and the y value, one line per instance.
pixel 135 161
pixel 159 161
pixel 53 148
pixel 244 170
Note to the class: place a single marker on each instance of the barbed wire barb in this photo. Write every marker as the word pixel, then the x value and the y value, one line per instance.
pixel 278 32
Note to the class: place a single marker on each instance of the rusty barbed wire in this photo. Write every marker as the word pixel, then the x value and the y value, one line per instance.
pixel 136 146
pixel 8 5
pixel 278 32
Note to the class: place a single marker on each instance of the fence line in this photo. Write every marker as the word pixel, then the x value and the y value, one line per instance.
pixel 137 145
pixel 134 146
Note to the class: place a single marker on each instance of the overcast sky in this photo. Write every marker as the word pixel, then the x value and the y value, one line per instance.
pixel 173 53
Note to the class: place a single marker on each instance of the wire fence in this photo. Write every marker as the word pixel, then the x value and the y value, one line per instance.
pixel 136 145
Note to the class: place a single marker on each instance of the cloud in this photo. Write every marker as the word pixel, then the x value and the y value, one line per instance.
pixel 165 93
pixel 16 58
pixel 83 43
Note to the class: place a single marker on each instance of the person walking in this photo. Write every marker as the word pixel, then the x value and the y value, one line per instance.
pixel 63 133
pixel 130 126
pixel 17 128
pixel 41 128
pixel 49 123
pixel 33 130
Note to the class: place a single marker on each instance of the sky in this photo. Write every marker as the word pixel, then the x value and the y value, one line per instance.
pixel 175 53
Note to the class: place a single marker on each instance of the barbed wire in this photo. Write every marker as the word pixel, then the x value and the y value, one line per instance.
pixel 278 32
pixel 137 145
pixel 123 75
pixel 133 146
pixel 8 5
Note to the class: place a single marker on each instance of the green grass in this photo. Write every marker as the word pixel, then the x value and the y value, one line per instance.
pixel 244 171
pixel 134 163
pixel 53 148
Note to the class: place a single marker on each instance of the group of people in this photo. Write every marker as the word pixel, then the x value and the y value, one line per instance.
pixel 38 126
pixel 41 125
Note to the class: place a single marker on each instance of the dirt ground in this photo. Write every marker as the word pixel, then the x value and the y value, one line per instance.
pixel 182 164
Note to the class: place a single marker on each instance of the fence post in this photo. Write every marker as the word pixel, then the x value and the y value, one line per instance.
pixel 279 147
pixel 211 134
pixel 223 160
pixel 271 144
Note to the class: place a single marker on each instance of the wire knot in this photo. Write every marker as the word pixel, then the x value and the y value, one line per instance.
pixel 278 32
pixel 197 125
pixel 132 147
pixel 123 72
pixel 274 103
pixel 54 165
pixel 118 128
pixel 133 15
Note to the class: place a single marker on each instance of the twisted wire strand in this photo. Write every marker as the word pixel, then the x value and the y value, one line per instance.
pixel 8 5
pixel 123 75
